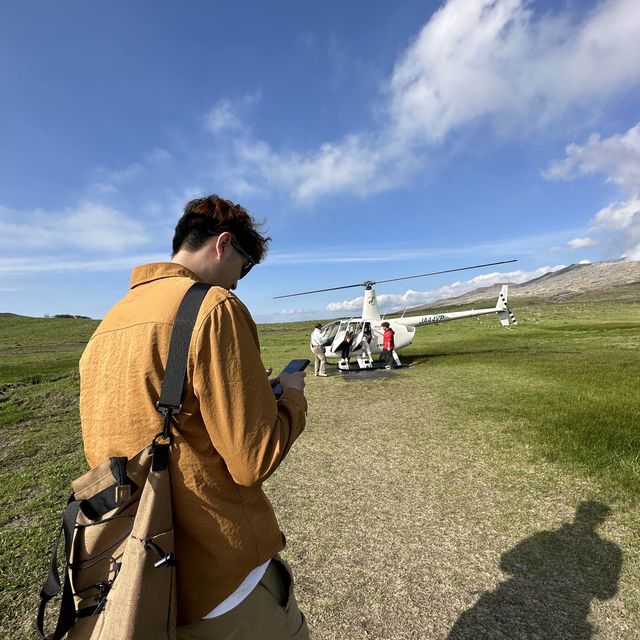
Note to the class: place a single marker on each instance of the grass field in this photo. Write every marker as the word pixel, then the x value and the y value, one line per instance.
pixel 488 491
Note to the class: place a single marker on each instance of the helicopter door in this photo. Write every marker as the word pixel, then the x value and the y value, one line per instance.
pixel 340 335
pixel 329 333
pixel 358 332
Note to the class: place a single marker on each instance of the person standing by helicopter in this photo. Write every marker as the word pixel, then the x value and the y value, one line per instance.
pixel 366 342
pixel 388 345
pixel 345 350
pixel 317 347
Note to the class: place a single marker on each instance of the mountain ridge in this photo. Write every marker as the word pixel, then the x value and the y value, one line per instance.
pixel 556 286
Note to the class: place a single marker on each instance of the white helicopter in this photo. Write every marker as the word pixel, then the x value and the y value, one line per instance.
pixel 404 327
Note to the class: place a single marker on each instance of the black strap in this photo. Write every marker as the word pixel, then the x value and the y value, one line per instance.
pixel 176 367
pixel 51 587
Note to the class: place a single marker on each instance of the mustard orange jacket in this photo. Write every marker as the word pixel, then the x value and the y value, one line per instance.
pixel 231 434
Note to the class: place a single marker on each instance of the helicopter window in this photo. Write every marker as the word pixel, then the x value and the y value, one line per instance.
pixel 329 333
pixel 357 335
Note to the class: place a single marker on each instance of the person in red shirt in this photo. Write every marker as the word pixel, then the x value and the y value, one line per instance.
pixel 388 345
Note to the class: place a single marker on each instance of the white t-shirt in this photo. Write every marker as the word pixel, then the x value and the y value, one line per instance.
pixel 247 586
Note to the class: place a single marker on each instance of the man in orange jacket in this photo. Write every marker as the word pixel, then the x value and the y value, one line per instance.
pixel 231 435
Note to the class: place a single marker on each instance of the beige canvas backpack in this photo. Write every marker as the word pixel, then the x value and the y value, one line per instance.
pixel 119 576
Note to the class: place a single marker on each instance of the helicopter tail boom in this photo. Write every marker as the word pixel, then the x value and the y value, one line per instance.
pixel 505 315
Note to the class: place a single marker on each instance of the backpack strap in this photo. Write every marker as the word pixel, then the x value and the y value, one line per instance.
pixel 168 405
pixel 52 586
pixel 170 400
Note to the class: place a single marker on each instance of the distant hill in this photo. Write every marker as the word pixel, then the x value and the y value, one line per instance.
pixel 559 285
pixel 59 315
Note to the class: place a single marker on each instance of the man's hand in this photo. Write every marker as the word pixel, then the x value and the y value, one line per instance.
pixel 292 381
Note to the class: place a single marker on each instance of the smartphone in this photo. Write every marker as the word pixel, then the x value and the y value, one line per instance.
pixel 293 367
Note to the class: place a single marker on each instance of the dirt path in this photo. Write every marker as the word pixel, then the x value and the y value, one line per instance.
pixel 399 516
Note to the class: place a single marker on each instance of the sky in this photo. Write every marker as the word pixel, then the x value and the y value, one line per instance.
pixel 374 139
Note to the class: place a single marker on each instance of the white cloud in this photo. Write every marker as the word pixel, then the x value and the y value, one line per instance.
pixel 291 312
pixel 582 243
pixel 389 303
pixel 90 226
pixel 497 59
pixel 225 115
pixel 616 226
pixel 346 305
pixel 617 157
pixel 222 117
pixel 619 226
pixel 64 264
pixel 110 181
pixel 619 216
pixel 494 62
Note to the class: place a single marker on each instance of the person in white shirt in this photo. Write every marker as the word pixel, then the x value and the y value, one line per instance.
pixel 320 360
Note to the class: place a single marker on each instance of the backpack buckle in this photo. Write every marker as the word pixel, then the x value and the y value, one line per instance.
pixel 168 409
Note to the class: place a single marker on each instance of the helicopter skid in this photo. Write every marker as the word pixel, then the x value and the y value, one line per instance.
pixel 376 365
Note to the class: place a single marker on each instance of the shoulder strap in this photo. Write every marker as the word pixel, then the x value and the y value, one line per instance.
pixel 169 403
pixel 52 585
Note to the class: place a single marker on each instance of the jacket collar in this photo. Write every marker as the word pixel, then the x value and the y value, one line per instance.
pixel 157 270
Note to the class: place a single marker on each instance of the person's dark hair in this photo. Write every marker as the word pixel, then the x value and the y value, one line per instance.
pixel 318 326
pixel 210 216
pixel 385 324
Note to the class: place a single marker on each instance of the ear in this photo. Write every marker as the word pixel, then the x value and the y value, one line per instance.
pixel 221 243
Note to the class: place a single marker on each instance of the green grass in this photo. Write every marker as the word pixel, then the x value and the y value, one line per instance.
pixel 404 490
pixel 566 376
pixel 36 349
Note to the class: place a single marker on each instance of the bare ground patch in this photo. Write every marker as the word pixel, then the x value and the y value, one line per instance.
pixel 403 521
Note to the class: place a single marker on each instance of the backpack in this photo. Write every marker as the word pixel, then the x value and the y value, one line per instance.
pixel 119 575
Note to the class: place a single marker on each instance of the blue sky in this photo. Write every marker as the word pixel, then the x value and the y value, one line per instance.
pixel 376 139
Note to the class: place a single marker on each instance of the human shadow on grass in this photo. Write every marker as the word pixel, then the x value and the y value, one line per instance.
pixel 554 577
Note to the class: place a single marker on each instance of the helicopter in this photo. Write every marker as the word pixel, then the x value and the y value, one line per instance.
pixel 404 327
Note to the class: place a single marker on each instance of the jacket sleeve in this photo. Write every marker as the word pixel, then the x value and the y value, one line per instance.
pixel 249 429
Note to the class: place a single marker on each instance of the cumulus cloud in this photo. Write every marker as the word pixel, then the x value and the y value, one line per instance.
pixel 619 225
pixel 495 62
pixel 90 226
pixel 617 158
pixel 582 243
pixel 497 59
pixel 616 226
pixel 359 164
pixel 390 303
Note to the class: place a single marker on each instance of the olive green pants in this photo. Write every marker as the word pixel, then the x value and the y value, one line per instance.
pixel 269 612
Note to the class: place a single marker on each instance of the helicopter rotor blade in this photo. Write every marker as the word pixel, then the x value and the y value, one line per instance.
pixel 304 293
pixel 372 282
pixel 435 273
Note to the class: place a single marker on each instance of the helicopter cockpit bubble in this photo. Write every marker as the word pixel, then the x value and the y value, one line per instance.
pixel 329 332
